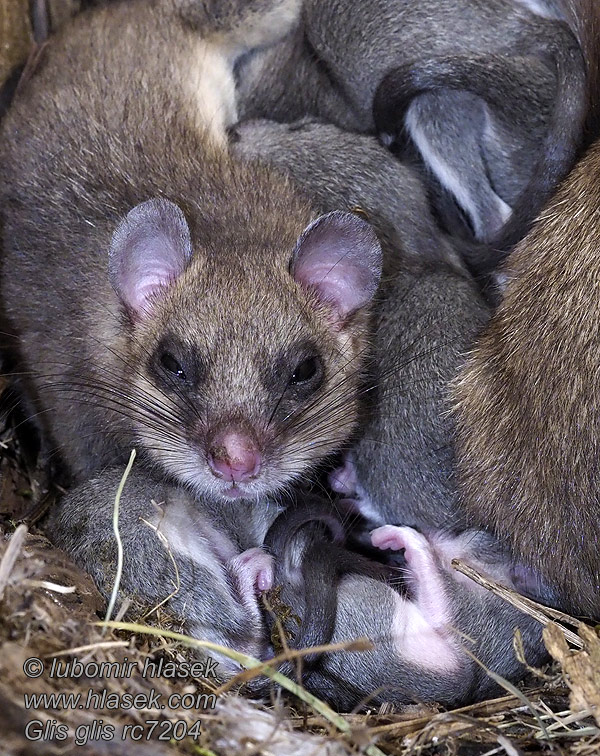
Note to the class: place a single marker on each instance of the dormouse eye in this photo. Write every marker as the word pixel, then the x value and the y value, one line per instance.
pixel 170 364
pixel 305 370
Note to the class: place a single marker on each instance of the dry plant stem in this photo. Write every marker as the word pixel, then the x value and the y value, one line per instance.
pixel 362 644
pixel 519 649
pixel 64 589
pixel 88 647
pixel 177 585
pixel 539 612
pixel 460 725
pixel 115 590
pixel 251 663
pixel 10 556
pixel 486 708
pixel 508 746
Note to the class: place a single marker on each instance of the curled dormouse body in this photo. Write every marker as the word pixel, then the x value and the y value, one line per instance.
pixel 341 170
pixel 164 294
pixel 189 551
pixel 424 638
pixel 524 131
pixel 494 108
pixel 401 469
pixel 423 618
pixel 340 53
pixel 307 543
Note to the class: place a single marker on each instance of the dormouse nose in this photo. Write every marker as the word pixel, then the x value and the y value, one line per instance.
pixel 233 456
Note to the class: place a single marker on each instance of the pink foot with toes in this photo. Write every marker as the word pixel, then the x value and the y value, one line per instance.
pixel 421 626
pixel 343 479
pixel 253 573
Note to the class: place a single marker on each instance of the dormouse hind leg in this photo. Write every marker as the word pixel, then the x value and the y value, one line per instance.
pixel 422 625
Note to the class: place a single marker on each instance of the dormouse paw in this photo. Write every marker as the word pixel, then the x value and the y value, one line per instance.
pixel 343 480
pixel 424 574
pixel 415 545
pixel 253 573
pixel 418 552
pixel 422 624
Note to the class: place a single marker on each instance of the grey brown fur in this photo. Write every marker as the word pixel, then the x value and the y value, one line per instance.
pixel 333 65
pixel 527 399
pixel 173 546
pixel 345 171
pixel 307 542
pixel 429 313
pixel 405 457
pixel 130 104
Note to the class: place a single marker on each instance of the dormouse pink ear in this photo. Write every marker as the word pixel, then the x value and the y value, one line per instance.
pixel 339 257
pixel 150 248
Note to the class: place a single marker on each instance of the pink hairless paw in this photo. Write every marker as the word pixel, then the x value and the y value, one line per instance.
pixel 424 572
pixel 343 479
pixel 421 625
pixel 417 549
pixel 253 574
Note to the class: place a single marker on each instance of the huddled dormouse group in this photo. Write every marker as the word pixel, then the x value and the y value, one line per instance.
pixel 314 262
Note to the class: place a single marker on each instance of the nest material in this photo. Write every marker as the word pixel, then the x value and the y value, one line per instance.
pixel 49 607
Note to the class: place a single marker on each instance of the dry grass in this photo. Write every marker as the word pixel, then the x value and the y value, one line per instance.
pixel 50 609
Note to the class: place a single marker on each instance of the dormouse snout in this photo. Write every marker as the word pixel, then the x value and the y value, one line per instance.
pixel 234 456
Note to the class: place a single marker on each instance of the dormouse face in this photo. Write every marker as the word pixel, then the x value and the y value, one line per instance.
pixel 246 374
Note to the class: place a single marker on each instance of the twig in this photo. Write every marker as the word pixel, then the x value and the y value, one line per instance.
pixel 362 644
pixel 250 662
pixel 115 590
pixel 88 647
pixel 526 605
pixel 177 586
